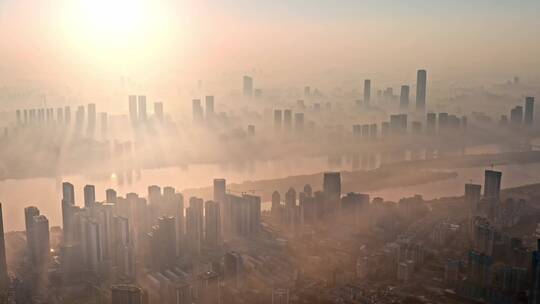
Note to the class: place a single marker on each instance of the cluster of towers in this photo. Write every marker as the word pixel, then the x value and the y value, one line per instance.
pixel 421 87
pixel 84 117
pixel 138 112
pixel 122 237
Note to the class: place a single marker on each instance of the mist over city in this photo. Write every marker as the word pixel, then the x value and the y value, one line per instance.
pixel 272 152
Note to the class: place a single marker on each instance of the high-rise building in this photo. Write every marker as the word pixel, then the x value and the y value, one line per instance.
pixel 431 122
pixel 220 188
pixel 197 110
pixel 133 113
pixel 529 111
pixel 127 294
pixel 421 84
pixel 141 108
pixel 68 193
pixel 212 224
pixel 41 247
pixel 209 106
pixel 67 115
pixel 307 91
pixel 299 122
pixel 287 120
pixel 472 196
pixel 91 123
pixel 4 279
pixel 158 111
pixel 195 225
pixel 290 198
pixel 29 213
pixel 367 91
pixel 276 202
pixel 162 244
pixel 123 247
pixel 251 130
pixel 492 185
pixel 332 190
pixel 247 86
pixel 404 98
pixel 535 275
pixel 234 268
pixel 89 196
pixel 516 115
pixel 92 249
pixel 104 122
pixel 110 196
pixel 277 119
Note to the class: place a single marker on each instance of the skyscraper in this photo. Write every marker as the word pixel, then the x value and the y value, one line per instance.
pixel 212 224
pixel 276 203
pixel 219 190
pixel 29 213
pixel 209 107
pixel 404 98
pixel 197 110
pixel 421 83
pixel 472 196
pixel 529 111
pixel 141 103
pixel 247 86
pixel 535 275
pixel 332 190
pixel 158 111
pixel 492 185
pixel 133 114
pixel 91 124
pixel 41 247
pixel 367 91
pixel 299 122
pixel 516 115
pixel 277 119
pixel 287 120
pixel 4 280
pixel 89 196
pixel 195 224
pixel 68 193
pixel 110 196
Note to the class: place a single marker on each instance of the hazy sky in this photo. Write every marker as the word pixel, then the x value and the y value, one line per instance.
pixel 161 40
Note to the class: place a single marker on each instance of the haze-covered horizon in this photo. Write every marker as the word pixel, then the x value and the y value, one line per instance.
pixel 167 44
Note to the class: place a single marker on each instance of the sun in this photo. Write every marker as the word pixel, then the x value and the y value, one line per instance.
pixel 118 18
pixel 117 32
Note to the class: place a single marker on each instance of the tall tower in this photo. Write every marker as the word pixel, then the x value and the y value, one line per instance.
pixel 492 185
pixel 158 111
pixel 404 98
pixel 91 124
pixel 332 189
pixel 247 86
pixel 367 91
pixel 209 106
pixel 277 119
pixel 89 196
pixel 4 284
pixel 421 83
pixel 212 224
pixel 68 193
pixel 133 114
pixel 141 102
pixel 529 111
